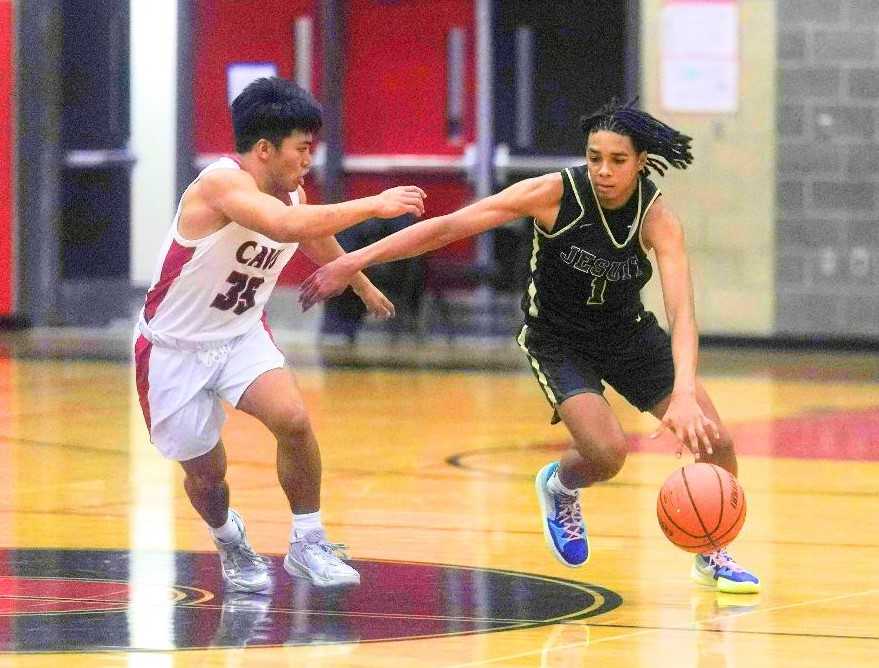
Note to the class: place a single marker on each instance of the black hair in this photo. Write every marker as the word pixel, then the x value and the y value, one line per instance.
pixel 664 145
pixel 271 108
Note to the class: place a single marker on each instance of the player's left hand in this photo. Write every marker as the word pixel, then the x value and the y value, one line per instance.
pixel 685 419
pixel 374 300
pixel 328 281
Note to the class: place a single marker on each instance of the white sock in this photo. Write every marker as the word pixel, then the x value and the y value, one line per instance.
pixel 555 485
pixel 227 533
pixel 304 523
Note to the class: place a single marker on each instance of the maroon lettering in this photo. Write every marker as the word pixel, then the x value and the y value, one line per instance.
pixel 241 293
pixel 272 258
pixel 239 255
pixel 259 258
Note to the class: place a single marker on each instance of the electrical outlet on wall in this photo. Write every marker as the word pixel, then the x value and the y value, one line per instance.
pixel 859 262
pixel 827 261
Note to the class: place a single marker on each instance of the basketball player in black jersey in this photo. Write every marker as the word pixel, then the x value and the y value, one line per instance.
pixel 585 323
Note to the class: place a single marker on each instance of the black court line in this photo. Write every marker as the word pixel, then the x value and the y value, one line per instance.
pixel 453 460
pixel 712 620
pixel 457 461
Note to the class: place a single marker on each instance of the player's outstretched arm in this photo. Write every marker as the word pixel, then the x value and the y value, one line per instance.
pixel 538 197
pixel 664 233
pixel 234 194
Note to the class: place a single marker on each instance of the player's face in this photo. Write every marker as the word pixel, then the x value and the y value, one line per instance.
pixel 291 162
pixel 613 167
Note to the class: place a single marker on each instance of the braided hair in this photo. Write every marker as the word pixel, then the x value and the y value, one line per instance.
pixel 665 146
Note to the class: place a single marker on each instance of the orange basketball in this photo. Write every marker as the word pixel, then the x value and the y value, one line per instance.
pixel 701 507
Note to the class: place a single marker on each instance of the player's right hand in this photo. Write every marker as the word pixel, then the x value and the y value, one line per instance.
pixel 399 201
pixel 692 428
pixel 327 281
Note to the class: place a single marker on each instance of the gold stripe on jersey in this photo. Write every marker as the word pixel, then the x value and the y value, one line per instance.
pixel 551 235
pixel 641 224
pixel 636 223
pixel 541 378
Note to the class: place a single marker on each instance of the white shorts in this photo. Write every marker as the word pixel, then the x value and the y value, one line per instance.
pixel 180 390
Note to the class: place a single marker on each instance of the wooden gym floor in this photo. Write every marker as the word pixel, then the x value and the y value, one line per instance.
pixel 428 478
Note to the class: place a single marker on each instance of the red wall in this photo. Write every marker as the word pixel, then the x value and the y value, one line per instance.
pixel 6 141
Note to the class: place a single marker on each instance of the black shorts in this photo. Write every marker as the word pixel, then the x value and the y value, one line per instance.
pixel 637 363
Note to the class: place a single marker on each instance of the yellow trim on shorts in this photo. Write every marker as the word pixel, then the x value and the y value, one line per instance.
pixel 541 378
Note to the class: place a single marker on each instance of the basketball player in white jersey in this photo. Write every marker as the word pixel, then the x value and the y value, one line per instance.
pixel 202 335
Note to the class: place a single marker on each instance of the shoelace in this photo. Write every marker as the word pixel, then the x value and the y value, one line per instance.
pixel 570 516
pixel 316 541
pixel 243 554
pixel 723 559
pixel 335 551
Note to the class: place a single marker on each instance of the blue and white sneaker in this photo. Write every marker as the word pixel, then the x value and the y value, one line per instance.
pixel 718 569
pixel 563 525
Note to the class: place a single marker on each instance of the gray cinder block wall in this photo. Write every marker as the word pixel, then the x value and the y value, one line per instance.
pixel 828 168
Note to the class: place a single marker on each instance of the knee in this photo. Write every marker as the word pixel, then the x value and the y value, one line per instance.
pixel 604 460
pixel 291 425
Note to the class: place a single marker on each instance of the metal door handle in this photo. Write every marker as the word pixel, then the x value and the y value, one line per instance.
pixel 91 158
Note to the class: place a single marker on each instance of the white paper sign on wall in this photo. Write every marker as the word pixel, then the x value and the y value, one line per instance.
pixel 700 56
pixel 239 75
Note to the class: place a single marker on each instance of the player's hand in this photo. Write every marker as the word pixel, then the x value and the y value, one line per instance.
pixel 328 281
pixel 400 200
pixel 685 419
pixel 376 303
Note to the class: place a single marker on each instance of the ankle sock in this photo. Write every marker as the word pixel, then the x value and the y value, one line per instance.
pixel 227 533
pixel 304 523
pixel 555 485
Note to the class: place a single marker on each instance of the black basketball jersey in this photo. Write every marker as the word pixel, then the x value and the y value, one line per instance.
pixel 587 273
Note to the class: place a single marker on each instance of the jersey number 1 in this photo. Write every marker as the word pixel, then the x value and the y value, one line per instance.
pixel 598 287
pixel 240 294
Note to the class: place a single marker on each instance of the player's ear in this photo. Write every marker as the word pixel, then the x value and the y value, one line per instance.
pixel 263 147
pixel 642 159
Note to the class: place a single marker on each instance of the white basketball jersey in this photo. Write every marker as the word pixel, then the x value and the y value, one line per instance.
pixel 214 288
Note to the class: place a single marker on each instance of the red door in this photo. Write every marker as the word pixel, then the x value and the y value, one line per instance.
pixel 7 276
pixel 397 98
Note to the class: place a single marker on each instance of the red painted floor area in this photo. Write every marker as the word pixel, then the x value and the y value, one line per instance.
pixel 843 435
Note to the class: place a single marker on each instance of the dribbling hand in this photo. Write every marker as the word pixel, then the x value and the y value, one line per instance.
pixel 684 418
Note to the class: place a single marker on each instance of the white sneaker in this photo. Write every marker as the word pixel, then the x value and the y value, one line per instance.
pixel 311 556
pixel 242 568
